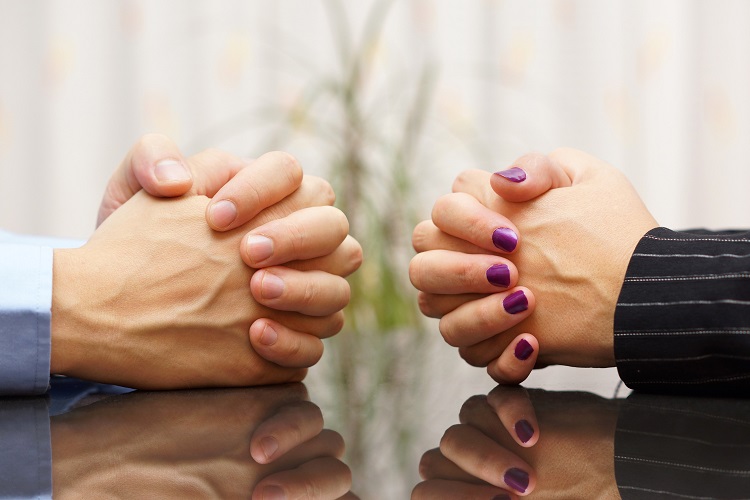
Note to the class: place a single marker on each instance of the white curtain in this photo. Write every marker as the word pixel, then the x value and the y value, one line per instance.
pixel 660 88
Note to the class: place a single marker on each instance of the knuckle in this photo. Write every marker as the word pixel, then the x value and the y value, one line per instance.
pixel 297 236
pixel 461 180
pixel 451 437
pixel 293 349
pixel 465 272
pixel 342 222
pixel 321 189
pixel 311 488
pixel 447 331
pixel 419 236
pixel 309 294
pixel 441 206
pixel 288 160
pixel 485 316
pixel 329 195
pixel 471 405
pixel 429 462
pixel 346 293
pixel 212 153
pixel 356 255
pixel 415 270
pixel 505 372
pixel 469 355
pixel 426 307
pixel 337 322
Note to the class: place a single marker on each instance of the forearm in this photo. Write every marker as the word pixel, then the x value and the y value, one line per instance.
pixel 682 322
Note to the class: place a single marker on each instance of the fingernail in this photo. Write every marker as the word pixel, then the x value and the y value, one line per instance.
pixel 513 174
pixel 505 239
pixel 273 493
pixel 499 275
pixel 523 348
pixel 171 171
pixel 517 479
pixel 259 248
pixel 222 213
pixel 269 446
pixel 271 286
pixel 524 430
pixel 516 302
pixel 269 336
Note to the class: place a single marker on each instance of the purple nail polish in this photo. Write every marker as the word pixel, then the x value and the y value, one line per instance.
pixel 516 302
pixel 513 174
pixel 523 350
pixel 504 239
pixel 517 479
pixel 499 275
pixel 524 430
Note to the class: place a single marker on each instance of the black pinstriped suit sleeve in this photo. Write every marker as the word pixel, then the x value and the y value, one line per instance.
pixel 682 322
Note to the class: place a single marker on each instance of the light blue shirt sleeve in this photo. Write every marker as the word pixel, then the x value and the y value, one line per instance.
pixel 25 304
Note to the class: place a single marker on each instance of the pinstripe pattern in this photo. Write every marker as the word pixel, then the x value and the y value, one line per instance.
pixel 682 322
pixel 670 447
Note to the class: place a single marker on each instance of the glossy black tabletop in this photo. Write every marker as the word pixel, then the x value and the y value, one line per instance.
pixel 85 440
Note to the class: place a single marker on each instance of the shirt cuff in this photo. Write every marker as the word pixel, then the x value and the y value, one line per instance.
pixel 25 302
pixel 682 321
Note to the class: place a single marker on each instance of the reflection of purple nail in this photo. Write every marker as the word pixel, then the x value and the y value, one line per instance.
pixel 504 239
pixel 524 430
pixel 517 479
pixel 499 275
pixel 513 174
pixel 516 302
pixel 523 350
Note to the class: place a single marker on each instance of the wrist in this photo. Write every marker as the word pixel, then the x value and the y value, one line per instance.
pixel 65 313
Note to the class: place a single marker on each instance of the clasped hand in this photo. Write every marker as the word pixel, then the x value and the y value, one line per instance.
pixel 233 282
pixel 524 267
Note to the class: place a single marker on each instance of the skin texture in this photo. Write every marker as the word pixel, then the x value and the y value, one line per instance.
pixel 578 231
pixel 572 455
pixel 203 319
pixel 197 444
pixel 311 243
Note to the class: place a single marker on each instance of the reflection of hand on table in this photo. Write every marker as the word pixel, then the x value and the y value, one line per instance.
pixel 191 444
pixel 550 445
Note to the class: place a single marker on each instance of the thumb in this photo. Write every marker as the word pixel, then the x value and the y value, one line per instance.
pixel 154 164
pixel 531 176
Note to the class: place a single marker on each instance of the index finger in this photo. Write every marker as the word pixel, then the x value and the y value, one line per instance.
pixel 463 216
pixel 268 180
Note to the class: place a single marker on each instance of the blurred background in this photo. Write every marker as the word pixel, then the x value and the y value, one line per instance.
pixel 389 100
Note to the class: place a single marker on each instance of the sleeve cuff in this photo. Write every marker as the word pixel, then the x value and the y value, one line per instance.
pixel 25 302
pixel 682 321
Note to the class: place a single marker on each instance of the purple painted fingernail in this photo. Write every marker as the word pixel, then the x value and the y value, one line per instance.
pixel 516 302
pixel 517 479
pixel 499 275
pixel 523 349
pixel 513 174
pixel 505 239
pixel 524 430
